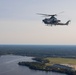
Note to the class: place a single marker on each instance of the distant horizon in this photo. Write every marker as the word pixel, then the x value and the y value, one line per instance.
pixel 43 44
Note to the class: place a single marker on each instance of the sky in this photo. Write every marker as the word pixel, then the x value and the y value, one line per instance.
pixel 20 24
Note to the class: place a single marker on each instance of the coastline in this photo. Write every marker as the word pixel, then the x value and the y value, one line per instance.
pixel 40 65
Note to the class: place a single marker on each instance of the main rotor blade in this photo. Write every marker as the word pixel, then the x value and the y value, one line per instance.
pixel 46 14
pixel 60 12
pixel 50 15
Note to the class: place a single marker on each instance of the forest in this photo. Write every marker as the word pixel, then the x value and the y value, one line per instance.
pixel 39 50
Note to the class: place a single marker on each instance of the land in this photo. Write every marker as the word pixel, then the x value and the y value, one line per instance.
pixel 61 65
pixel 60 60
pixel 46 56
pixel 39 50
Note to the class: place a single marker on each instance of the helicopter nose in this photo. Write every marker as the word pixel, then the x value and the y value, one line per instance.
pixel 43 20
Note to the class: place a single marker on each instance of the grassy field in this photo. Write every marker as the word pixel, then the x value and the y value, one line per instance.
pixel 61 61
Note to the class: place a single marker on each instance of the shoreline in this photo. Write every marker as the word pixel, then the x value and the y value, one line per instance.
pixel 40 65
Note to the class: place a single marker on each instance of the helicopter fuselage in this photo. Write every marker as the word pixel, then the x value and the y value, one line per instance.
pixel 50 21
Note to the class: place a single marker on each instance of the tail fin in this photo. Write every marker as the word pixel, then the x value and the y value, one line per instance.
pixel 67 22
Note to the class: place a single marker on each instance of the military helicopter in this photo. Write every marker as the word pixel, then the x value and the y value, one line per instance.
pixel 52 20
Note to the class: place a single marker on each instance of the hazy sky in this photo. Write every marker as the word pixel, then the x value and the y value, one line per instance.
pixel 19 23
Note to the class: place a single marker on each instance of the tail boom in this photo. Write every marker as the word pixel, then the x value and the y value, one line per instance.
pixel 64 23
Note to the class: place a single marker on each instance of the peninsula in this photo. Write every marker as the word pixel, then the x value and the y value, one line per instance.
pixel 62 65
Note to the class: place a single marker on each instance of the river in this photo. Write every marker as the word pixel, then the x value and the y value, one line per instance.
pixel 9 66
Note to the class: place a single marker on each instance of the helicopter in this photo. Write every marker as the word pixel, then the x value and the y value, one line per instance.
pixel 52 20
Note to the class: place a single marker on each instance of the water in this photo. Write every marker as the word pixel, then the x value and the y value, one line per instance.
pixel 8 63
pixel 9 66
